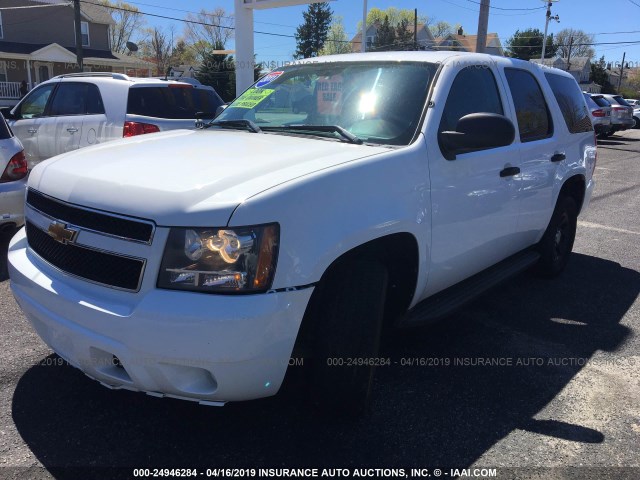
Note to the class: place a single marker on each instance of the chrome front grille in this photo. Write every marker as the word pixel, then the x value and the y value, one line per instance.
pixel 127 228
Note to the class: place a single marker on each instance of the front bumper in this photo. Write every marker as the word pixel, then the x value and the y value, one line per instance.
pixel 207 348
pixel 12 202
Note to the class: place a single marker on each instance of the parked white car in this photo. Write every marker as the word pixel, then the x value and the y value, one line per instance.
pixel 405 185
pixel 13 180
pixel 77 110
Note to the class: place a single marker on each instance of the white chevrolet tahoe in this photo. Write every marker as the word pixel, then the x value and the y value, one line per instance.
pixel 194 264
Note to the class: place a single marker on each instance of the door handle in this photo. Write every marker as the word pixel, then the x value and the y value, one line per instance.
pixel 33 130
pixel 509 171
pixel 558 157
pixel 72 130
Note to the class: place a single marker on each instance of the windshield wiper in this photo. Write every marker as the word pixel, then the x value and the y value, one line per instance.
pixel 247 124
pixel 345 134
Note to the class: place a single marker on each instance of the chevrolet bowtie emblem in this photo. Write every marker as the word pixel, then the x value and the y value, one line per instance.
pixel 60 233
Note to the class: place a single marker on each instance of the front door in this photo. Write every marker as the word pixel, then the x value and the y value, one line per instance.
pixel 29 117
pixel 474 203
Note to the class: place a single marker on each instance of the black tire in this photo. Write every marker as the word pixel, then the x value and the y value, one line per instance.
pixel 557 242
pixel 348 317
pixel 637 120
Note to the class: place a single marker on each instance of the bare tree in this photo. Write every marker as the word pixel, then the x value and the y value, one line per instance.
pixel 441 29
pixel 579 47
pixel 158 46
pixel 208 28
pixel 127 24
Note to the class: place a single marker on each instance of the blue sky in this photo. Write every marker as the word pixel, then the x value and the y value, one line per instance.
pixel 587 15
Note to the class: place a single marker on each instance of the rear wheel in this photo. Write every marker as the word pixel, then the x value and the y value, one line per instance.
pixel 557 242
pixel 348 316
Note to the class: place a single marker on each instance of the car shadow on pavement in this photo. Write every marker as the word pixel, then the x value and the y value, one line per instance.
pixel 445 413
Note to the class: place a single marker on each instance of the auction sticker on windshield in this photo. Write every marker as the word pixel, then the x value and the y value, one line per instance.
pixel 268 79
pixel 252 98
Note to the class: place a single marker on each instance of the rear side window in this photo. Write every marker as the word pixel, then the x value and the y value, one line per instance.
pixel 172 102
pixel 473 91
pixel 621 101
pixel 77 99
pixel 571 102
pixel 5 131
pixel 534 119
pixel 600 100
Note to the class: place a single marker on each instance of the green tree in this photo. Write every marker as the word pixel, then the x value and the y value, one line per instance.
pixel 527 44
pixel 395 17
pixel 218 71
pixel 385 38
pixel 312 34
pixel 600 75
pixel 404 36
pixel 337 41
pixel 182 55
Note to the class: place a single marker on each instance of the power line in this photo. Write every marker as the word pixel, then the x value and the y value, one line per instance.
pixel 500 8
pixel 196 22
pixel 501 14
pixel 636 4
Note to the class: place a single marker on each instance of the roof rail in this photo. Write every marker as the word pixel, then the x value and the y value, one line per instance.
pixel 116 76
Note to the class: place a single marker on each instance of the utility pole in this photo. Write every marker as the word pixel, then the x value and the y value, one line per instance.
pixel 546 25
pixel 415 29
pixel 624 55
pixel 569 53
pixel 483 25
pixel 363 46
pixel 77 18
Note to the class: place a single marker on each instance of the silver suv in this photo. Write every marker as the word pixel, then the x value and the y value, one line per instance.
pixel 77 110
pixel 621 113
pixel 600 113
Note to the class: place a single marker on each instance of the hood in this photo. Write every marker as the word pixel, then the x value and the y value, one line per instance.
pixel 186 177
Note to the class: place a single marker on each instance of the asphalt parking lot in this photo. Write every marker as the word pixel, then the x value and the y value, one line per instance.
pixel 561 402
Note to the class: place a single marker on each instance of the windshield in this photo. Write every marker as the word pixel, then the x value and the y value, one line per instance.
pixel 378 102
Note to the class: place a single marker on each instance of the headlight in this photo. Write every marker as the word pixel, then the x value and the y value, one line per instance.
pixel 234 260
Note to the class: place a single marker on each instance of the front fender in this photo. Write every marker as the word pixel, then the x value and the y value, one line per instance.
pixel 325 214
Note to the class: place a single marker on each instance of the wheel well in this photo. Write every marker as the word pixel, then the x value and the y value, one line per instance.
pixel 399 253
pixel 575 188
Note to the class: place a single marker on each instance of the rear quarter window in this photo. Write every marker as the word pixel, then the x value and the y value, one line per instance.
pixel 172 103
pixel 571 102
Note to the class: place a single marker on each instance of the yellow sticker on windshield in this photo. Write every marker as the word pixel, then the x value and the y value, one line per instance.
pixel 252 98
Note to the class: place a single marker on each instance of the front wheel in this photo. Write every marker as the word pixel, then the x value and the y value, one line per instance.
pixel 348 320
pixel 557 242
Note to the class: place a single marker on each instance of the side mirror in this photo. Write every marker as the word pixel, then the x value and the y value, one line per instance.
pixel 477 131
pixel 221 109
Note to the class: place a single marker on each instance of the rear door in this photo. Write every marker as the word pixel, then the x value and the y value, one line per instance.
pixel 538 145
pixel 474 200
pixel 29 118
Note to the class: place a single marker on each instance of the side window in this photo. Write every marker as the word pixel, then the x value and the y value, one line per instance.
pixel 76 99
pixel 473 91
pixel 35 103
pixel 534 119
pixel 571 102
